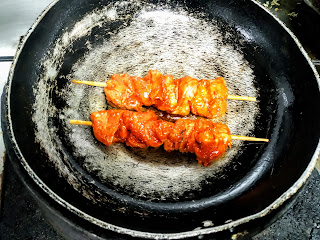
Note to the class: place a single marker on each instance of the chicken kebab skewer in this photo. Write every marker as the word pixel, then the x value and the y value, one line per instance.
pixel 206 139
pixel 206 98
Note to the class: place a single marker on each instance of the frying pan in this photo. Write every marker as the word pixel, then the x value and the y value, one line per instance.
pixel 150 193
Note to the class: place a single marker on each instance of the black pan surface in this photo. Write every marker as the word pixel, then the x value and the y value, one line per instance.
pixel 152 193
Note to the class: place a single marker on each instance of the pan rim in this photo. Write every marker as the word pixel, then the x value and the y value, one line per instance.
pixel 274 205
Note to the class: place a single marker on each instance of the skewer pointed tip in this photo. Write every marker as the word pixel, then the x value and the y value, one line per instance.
pixel 245 138
pixel 243 98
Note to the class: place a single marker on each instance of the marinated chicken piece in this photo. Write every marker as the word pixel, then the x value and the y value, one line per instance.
pixel 206 139
pixel 206 98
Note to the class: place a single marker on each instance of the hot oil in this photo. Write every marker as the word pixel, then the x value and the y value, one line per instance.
pixel 175 42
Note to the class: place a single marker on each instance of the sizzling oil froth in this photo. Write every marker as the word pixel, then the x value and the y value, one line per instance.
pixel 174 42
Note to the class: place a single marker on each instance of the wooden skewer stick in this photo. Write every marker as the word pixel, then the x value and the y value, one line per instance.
pixel 235 137
pixel 243 98
pixel 90 83
pixel 245 138
pixel 103 84
pixel 79 122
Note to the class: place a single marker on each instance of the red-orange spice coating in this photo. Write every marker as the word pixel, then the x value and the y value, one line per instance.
pixel 206 139
pixel 206 98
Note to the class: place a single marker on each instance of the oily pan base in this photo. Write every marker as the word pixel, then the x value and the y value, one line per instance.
pixel 150 185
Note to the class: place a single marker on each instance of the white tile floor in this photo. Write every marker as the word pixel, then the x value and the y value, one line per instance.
pixel 16 17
